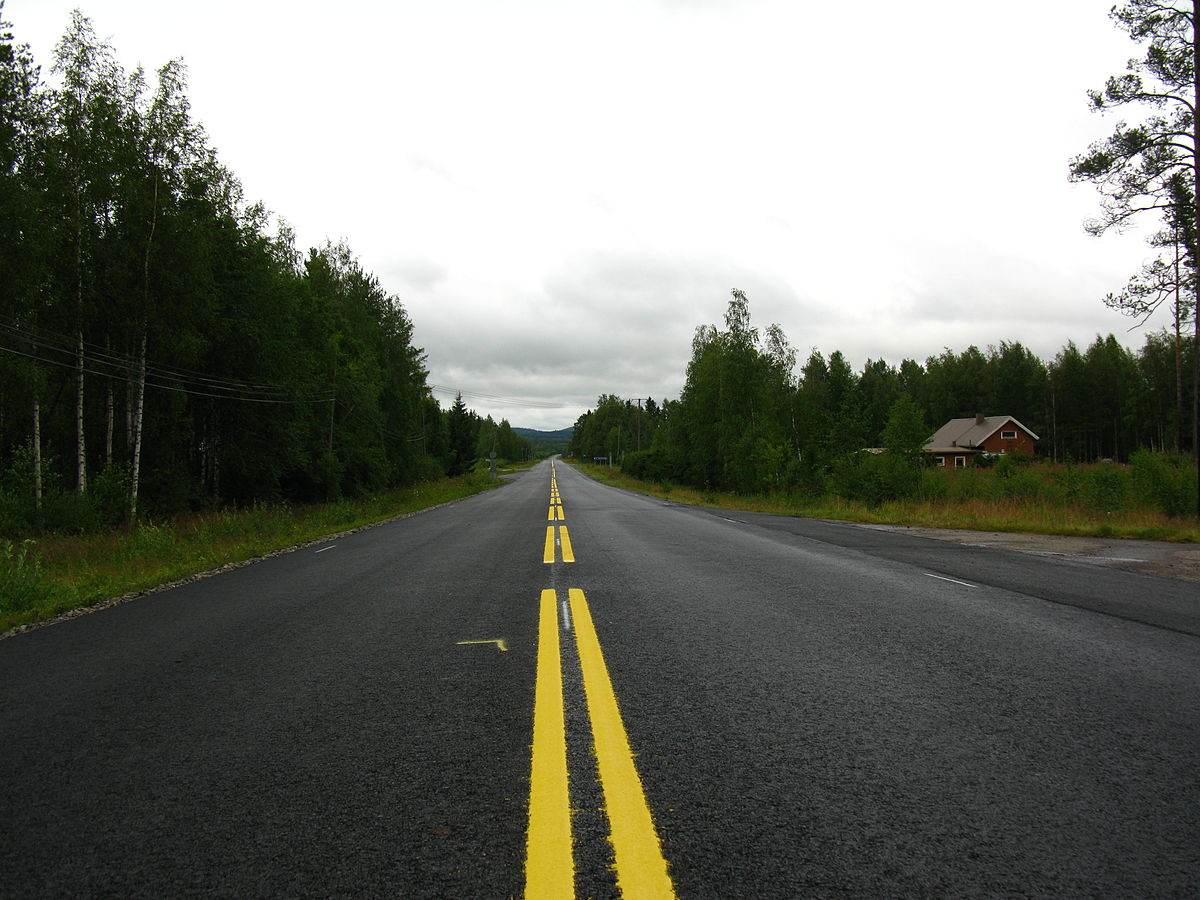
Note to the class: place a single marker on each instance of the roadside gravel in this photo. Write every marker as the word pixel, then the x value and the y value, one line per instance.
pixel 1180 561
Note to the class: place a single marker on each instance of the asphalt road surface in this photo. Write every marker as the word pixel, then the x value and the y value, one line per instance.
pixel 558 688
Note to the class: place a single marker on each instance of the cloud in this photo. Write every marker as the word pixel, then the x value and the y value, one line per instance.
pixel 557 224
pixel 617 320
pixel 417 273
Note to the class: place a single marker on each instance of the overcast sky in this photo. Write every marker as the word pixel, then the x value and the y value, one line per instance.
pixel 560 192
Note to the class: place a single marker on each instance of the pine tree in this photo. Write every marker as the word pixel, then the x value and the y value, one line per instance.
pixel 1154 164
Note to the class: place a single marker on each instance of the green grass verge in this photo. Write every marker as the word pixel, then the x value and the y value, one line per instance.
pixel 46 578
pixel 1028 517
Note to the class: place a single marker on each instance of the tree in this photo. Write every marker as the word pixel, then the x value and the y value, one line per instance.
pixel 1171 279
pixel 1154 164
pixel 463 431
pixel 906 431
pixel 734 411
pixel 1016 384
pixel 128 257
pixel 83 150
pixel 22 118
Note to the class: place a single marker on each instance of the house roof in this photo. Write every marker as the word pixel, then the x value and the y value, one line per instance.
pixel 969 434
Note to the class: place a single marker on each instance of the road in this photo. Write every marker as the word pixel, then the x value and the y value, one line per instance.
pixel 558 687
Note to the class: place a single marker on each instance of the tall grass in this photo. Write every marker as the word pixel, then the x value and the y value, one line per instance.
pixel 22 586
pixel 1147 499
pixel 42 579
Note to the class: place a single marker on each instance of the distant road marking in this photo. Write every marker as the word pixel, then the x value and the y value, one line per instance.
pixel 556 540
pixel 951 580
pixel 330 547
pixel 499 642
pixel 549 859
pixel 637 854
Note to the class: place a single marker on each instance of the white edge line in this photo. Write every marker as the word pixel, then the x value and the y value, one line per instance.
pixel 323 549
pixel 951 580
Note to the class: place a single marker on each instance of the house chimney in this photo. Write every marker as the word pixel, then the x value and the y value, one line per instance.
pixel 980 419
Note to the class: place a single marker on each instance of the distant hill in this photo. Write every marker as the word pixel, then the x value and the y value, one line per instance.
pixel 546 443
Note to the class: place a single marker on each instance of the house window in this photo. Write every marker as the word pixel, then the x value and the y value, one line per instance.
pixel 960 462
pixel 1008 435
pixel 939 460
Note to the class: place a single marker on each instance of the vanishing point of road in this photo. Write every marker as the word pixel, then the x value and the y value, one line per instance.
pixel 560 689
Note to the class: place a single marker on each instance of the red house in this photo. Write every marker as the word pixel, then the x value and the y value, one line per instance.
pixel 959 441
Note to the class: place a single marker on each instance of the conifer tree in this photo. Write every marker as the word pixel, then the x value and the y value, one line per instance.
pixel 1154 164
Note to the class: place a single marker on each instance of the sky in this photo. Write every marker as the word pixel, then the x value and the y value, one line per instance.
pixel 560 192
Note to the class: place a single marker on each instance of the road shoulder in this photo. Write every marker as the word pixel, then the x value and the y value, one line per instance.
pixel 1169 560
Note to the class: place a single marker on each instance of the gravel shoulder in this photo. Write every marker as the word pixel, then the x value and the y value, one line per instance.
pixel 1180 561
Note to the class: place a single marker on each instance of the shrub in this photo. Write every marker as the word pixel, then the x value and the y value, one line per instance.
pixel 21 585
pixel 646 465
pixel 70 512
pixel 108 494
pixel 1105 487
pixel 1014 479
pixel 876 478
pixel 149 541
pixel 1168 481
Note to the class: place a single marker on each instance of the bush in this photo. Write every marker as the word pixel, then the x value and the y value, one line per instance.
pixel 1015 479
pixel 1166 480
pixel 1105 487
pixel 876 478
pixel 70 513
pixel 21 584
pixel 108 494
pixel 645 465
pixel 426 468
pixel 150 541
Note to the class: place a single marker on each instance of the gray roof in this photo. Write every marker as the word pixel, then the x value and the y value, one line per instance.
pixel 969 434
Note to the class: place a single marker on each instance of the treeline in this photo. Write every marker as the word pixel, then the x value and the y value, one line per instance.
pixel 160 348
pixel 747 421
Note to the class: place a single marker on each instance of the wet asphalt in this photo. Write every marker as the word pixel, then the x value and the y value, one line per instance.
pixel 816 710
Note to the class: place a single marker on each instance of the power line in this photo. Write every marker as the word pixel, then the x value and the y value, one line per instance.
pixel 129 378
pixel 506 401
pixel 100 361
pixel 116 366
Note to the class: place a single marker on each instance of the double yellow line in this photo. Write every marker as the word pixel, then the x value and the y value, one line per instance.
pixel 641 870
pixel 557 537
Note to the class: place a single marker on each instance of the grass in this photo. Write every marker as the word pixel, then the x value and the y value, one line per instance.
pixel 44 579
pixel 1030 516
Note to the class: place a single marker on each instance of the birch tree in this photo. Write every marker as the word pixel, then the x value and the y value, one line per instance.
pixel 168 147
pixel 86 114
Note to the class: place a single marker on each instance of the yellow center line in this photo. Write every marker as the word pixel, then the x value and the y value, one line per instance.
pixel 640 867
pixel 549 863
pixel 638 862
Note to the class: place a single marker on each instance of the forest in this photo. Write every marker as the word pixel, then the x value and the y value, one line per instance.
pixel 748 422
pixel 163 348
pixel 166 347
